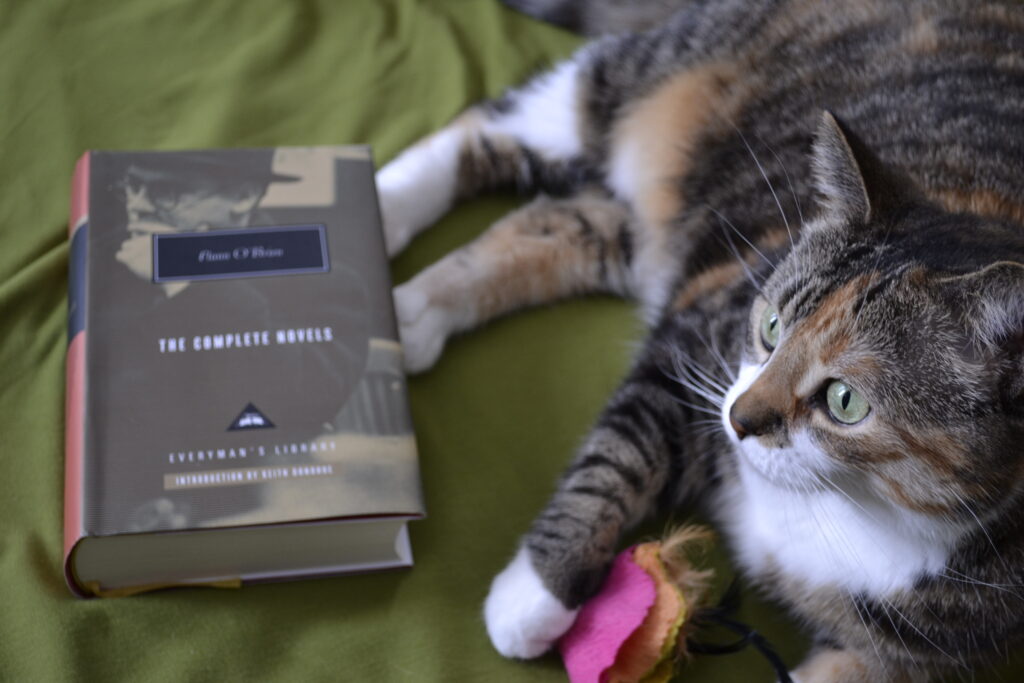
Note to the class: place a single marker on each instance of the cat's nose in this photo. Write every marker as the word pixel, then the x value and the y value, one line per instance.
pixel 737 425
pixel 753 422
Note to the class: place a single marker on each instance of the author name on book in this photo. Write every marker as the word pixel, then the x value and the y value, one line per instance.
pixel 246 339
pixel 239 254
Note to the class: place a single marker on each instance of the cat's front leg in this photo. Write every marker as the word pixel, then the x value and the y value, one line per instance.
pixel 616 479
pixel 563 558
pixel 528 139
pixel 543 252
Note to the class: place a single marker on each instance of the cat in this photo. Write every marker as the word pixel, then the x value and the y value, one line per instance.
pixel 818 208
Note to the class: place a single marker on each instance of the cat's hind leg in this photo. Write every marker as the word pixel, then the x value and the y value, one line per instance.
pixel 548 250
pixel 528 139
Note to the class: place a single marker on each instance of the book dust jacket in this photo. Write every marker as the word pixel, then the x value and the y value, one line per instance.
pixel 233 357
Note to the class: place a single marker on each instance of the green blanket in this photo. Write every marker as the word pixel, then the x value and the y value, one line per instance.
pixel 497 419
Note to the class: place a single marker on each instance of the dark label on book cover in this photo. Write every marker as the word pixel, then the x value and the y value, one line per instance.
pixel 240 253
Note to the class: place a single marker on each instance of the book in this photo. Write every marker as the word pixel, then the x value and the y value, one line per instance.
pixel 236 406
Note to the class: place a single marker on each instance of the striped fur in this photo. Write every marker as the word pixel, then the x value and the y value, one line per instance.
pixel 697 174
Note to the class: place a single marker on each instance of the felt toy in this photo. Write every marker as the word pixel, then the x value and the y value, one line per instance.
pixel 638 626
pixel 633 630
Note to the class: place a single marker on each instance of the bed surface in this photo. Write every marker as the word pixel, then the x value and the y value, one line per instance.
pixel 496 420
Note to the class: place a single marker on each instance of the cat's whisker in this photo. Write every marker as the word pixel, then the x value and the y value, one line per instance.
pixel 817 512
pixel 746 268
pixel 768 182
pixel 700 391
pixel 703 426
pixel 792 190
pixel 710 381
pixel 707 421
pixel 826 481
pixel 886 604
pixel 694 406
pixel 834 487
pixel 957 661
pixel 693 377
pixel 842 537
pixel 854 602
pixel 983 528
pixel 743 237
pixel 705 433
pixel 988 538
pixel 954 575
pixel 713 349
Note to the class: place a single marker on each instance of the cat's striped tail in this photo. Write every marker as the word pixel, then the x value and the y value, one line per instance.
pixel 597 17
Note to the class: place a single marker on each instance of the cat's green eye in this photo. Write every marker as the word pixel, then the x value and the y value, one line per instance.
pixel 845 404
pixel 770 327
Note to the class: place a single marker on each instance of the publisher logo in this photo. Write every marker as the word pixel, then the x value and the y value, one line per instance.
pixel 251 418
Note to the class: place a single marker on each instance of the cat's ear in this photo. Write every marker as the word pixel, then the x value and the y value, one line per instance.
pixel 991 301
pixel 994 302
pixel 854 185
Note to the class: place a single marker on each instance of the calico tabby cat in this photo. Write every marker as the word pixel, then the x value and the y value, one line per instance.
pixel 819 207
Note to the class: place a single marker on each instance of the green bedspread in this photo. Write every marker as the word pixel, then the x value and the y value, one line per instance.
pixel 497 418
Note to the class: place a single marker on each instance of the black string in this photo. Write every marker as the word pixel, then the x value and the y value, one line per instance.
pixel 720 616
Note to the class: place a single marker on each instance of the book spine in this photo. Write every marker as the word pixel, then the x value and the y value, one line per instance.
pixel 74 434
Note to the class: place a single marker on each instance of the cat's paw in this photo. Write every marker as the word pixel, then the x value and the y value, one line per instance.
pixel 422 328
pixel 523 618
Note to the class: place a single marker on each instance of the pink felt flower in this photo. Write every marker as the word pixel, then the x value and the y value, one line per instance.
pixel 627 632
pixel 607 620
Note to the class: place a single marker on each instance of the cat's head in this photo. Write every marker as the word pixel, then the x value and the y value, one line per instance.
pixel 885 354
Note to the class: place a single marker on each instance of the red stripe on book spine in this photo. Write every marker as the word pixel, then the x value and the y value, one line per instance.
pixel 79 194
pixel 74 399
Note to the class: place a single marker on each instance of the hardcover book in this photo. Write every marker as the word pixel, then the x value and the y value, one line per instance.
pixel 236 408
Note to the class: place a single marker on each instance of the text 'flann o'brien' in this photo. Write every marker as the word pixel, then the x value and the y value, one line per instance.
pixel 247 339
pixel 240 254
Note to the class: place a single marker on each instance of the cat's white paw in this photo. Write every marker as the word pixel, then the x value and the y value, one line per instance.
pixel 523 618
pixel 422 328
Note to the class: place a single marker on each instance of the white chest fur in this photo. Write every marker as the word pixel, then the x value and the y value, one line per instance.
pixel 825 539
